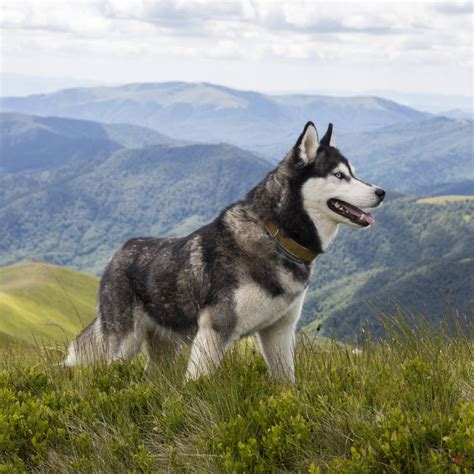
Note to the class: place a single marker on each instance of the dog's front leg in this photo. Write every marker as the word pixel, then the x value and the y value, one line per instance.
pixel 207 350
pixel 277 343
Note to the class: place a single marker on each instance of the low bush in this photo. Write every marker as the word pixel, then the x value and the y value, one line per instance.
pixel 405 405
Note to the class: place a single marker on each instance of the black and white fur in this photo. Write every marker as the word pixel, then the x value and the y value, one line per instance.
pixel 229 279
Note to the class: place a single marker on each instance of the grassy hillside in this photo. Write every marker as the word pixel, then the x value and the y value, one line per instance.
pixel 44 302
pixel 7 341
pixel 213 113
pixel 444 199
pixel 406 406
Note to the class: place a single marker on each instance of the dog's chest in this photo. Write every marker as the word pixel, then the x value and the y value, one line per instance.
pixel 256 308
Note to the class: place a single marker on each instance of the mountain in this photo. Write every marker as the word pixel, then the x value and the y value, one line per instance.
pixel 77 212
pixel 211 113
pixel 458 114
pixel 464 188
pixel 418 158
pixel 44 303
pixel 432 153
pixel 80 214
pixel 418 255
pixel 81 217
pixel 433 103
pixel 434 291
pixel 43 143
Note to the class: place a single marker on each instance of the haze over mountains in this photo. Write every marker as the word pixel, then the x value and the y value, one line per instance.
pixel 423 157
pixel 433 154
pixel 206 112
pixel 14 84
pixel 73 190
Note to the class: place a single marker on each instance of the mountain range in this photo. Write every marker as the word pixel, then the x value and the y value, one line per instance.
pixel 416 158
pixel 74 214
pixel 210 113
pixel 72 191
pixel 431 152
pixel 35 143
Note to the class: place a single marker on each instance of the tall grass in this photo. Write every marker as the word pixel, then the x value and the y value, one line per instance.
pixel 403 405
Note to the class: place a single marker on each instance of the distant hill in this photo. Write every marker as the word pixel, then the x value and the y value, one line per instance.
pixel 464 187
pixel 7 341
pixel 212 113
pixel 434 291
pixel 43 143
pixel 431 152
pixel 44 303
pixel 81 214
pixel 418 255
pixel 416 158
pixel 458 114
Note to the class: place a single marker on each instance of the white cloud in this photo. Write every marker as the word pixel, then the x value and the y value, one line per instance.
pixel 353 35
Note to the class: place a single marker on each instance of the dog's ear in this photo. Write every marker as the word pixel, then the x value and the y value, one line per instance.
pixel 307 145
pixel 329 139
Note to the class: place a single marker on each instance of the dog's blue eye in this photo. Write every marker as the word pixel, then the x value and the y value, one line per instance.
pixel 338 175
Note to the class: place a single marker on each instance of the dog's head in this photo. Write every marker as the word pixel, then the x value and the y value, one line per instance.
pixel 330 190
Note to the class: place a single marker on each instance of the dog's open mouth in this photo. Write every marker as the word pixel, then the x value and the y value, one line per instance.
pixel 354 214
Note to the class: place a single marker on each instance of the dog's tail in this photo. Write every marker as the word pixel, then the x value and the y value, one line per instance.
pixel 88 347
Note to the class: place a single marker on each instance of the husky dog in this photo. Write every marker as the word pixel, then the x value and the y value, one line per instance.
pixel 244 273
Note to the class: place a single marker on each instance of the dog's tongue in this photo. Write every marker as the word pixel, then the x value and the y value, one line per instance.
pixel 368 217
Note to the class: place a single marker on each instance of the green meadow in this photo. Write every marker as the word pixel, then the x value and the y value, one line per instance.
pixel 404 405
pixel 44 303
pixel 401 404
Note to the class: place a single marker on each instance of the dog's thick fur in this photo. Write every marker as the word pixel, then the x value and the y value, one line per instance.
pixel 230 278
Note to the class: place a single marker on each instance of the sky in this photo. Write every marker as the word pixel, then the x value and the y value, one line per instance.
pixel 423 47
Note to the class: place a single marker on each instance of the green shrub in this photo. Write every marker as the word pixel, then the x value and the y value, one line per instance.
pixel 403 406
pixel 272 434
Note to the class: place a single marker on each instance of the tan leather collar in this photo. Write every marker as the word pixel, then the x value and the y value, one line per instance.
pixel 294 249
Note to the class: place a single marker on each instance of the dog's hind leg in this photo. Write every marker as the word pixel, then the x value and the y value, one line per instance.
pixel 107 342
pixel 277 343
pixel 161 346
pixel 126 340
pixel 208 349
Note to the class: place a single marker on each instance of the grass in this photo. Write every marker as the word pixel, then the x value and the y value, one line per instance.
pixel 404 405
pixel 43 302
pixel 444 199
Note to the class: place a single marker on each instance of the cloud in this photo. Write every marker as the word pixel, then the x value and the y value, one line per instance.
pixel 353 35
pixel 273 16
pixel 455 8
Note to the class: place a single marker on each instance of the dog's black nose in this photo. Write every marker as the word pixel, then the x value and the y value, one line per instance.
pixel 380 193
